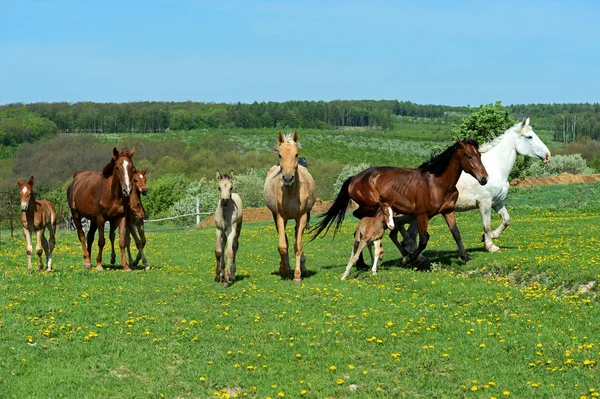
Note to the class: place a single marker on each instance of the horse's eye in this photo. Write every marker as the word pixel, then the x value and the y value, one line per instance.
pixel 469 156
pixel 529 137
pixel 296 155
pixel 279 156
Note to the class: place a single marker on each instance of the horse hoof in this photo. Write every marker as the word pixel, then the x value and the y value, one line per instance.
pixel 113 260
pixel 99 268
pixel 283 272
pixel 343 277
pixel 218 279
pixel 147 268
pixel 87 266
pixel 297 280
pixel 493 248
pixel 225 284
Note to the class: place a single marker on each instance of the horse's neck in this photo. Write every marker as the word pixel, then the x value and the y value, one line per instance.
pixel 449 178
pixel 31 209
pixel 135 205
pixel 501 158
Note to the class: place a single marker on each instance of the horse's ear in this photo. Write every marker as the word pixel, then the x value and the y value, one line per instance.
pixel 30 181
pixel 115 153
pixel 231 175
pixel 19 182
pixel 132 152
pixel 280 138
pixel 525 122
pixel 143 172
pixel 219 176
pixel 295 138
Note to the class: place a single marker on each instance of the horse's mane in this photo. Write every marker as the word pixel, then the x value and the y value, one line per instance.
pixel 438 163
pixel 107 170
pixel 485 147
pixel 287 139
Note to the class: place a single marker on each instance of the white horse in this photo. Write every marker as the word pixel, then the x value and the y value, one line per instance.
pixel 228 222
pixel 498 156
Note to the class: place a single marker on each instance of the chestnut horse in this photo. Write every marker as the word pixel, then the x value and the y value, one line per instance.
pixel 289 194
pixel 36 216
pixel 422 193
pixel 102 197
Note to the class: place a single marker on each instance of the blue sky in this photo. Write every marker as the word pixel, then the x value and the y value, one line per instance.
pixel 428 52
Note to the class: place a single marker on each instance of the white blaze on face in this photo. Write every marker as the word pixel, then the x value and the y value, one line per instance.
pixel 127 183
pixel 24 190
pixel 390 219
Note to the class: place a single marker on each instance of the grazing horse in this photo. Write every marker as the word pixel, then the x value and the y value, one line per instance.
pixel 228 222
pixel 135 222
pixel 421 193
pixel 498 156
pixel 36 216
pixel 368 233
pixel 289 194
pixel 102 197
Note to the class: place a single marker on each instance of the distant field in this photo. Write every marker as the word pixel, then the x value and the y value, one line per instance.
pixel 511 324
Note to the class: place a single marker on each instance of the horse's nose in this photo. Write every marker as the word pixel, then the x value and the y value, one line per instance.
pixel 483 180
pixel 288 179
pixel 224 201
pixel 144 191
pixel 547 157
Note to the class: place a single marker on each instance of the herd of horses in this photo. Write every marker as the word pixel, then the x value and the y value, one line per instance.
pixel 387 198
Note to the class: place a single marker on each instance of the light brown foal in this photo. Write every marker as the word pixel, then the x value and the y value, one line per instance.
pixel 36 216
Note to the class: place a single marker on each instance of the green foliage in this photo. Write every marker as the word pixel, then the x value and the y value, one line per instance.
pixel 163 193
pixel 249 186
pixel 573 164
pixel 17 126
pixel 346 172
pixel 485 123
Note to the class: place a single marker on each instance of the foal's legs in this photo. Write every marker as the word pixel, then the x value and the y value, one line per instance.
pixel 39 248
pixel 485 208
pixel 451 221
pixel 122 232
pixel 235 246
pixel 220 241
pixel 378 248
pixel 300 260
pixel 51 244
pixel 230 255
pixel 111 237
pixel 29 249
pixel 140 229
pixel 501 210
pixel 87 262
pixel 46 250
pixel 356 251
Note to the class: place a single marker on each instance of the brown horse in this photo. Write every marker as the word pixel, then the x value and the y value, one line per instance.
pixel 421 193
pixel 102 197
pixel 135 222
pixel 36 216
pixel 289 194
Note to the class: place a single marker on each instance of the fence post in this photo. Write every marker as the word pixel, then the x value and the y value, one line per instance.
pixel 197 211
pixel 11 213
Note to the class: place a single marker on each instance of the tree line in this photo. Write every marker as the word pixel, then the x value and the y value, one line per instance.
pixel 28 122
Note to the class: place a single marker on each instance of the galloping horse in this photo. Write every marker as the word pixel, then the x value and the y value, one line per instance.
pixel 228 223
pixel 289 194
pixel 498 156
pixel 36 216
pixel 422 193
pixel 102 197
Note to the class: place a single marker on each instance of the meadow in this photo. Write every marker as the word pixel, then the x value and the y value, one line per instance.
pixel 522 323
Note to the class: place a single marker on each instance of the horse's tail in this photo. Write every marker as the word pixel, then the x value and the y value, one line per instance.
pixel 335 213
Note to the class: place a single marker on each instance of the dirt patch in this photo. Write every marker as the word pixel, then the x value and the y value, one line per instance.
pixel 563 178
pixel 264 214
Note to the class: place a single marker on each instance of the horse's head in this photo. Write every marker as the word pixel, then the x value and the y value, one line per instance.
pixel 25 192
pixel 529 144
pixel 388 215
pixel 123 168
pixel 139 180
pixel 288 157
pixel 225 186
pixel 470 160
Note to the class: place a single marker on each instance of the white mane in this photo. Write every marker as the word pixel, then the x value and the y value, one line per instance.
pixel 485 147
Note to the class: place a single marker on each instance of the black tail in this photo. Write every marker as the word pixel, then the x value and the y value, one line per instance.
pixel 336 213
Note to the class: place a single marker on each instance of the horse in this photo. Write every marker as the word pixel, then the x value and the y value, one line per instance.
pixel 37 216
pixel 289 194
pixel 421 193
pixel 228 223
pixel 102 197
pixel 369 232
pixel 498 156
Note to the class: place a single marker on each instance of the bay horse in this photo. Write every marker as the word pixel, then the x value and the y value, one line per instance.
pixel 289 194
pixel 36 217
pixel 102 197
pixel 228 222
pixel 498 156
pixel 134 223
pixel 421 193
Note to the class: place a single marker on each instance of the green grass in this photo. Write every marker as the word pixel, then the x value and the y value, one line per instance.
pixel 510 322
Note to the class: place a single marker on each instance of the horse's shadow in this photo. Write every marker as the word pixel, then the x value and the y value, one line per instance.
pixel 306 274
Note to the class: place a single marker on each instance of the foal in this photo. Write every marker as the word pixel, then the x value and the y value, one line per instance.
pixel 369 232
pixel 228 222
pixel 36 216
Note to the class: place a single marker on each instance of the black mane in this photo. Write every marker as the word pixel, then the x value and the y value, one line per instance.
pixel 438 163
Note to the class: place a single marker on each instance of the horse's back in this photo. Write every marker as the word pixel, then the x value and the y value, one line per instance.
pixel 83 192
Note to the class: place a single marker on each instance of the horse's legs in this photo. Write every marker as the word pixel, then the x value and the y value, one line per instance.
pixel 230 254
pixel 378 248
pixel 46 249
pixel 87 262
pixel 409 241
pixel 142 234
pixel 501 210
pixel 236 244
pixel 29 248
pixel 394 238
pixel 282 247
pixel 39 249
pixel 111 237
pixel 451 221
pixel 131 230
pixel 51 244
pixel 486 219
pixel 300 260
pixel 359 245
pixel 422 222
pixel 122 233
pixel 219 254
pixel 101 241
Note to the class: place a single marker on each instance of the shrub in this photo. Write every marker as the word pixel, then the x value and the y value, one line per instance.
pixel 347 171
pixel 163 193
pixel 250 187
pixel 206 191
pixel 573 164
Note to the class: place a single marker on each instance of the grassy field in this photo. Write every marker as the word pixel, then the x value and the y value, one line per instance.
pixel 512 324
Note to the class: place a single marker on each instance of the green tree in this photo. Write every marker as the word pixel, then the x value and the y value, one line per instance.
pixel 485 123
